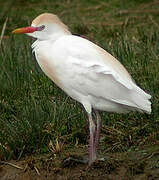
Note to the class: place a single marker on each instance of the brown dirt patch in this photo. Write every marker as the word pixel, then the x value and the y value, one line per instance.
pixel 139 165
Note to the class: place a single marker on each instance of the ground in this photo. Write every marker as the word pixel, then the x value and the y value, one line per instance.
pixel 139 165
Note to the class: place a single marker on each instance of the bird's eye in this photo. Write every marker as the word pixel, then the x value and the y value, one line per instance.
pixel 40 28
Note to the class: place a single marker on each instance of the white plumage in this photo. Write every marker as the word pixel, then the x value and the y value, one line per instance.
pixel 85 72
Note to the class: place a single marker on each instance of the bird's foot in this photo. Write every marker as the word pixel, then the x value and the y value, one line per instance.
pixel 72 161
pixel 97 162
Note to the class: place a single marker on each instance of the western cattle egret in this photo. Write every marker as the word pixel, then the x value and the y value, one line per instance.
pixel 86 72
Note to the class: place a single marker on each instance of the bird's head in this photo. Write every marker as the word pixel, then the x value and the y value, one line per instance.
pixel 44 27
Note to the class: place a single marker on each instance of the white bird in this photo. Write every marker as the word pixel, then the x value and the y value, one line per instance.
pixel 86 72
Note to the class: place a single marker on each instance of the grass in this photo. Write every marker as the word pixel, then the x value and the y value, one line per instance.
pixel 34 112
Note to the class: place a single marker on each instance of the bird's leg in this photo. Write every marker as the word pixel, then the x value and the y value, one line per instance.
pixel 92 146
pixel 98 129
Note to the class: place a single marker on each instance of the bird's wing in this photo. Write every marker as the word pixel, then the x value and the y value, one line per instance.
pixel 88 54
pixel 99 81
pixel 92 71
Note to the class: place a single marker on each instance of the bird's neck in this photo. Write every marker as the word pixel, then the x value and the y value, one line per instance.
pixel 56 33
pixel 39 43
pixel 55 36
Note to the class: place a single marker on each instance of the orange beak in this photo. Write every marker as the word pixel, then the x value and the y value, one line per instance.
pixel 24 30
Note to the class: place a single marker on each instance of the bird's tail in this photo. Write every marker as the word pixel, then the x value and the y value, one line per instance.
pixel 142 100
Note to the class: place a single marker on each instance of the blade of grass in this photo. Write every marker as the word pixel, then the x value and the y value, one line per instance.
pixel 3 30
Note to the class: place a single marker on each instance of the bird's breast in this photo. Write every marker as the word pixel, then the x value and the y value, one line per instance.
pixel 48 65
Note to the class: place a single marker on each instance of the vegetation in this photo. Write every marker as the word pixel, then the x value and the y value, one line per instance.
pixel 34 112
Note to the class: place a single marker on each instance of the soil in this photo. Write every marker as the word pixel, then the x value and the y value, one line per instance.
pixel 138 165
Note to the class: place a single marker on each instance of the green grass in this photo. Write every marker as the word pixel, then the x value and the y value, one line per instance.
pixel 34 111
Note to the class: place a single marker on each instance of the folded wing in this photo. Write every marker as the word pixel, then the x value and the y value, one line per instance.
pixel 96 73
